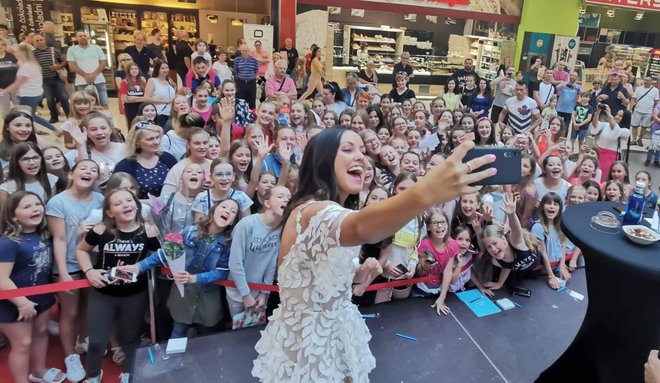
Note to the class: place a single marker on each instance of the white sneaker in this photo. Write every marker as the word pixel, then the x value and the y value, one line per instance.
pixel 53 328
pixel 124 377
pixel 81 347
pixel 74 369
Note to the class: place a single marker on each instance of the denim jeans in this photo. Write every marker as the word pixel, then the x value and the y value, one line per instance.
pixel 101 89
pixel 32 102
pixel 180 330
pixel 55 91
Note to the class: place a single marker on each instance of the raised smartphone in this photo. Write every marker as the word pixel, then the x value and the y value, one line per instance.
pixel 507 162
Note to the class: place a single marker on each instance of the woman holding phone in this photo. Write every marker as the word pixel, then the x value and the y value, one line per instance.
pixel 318 256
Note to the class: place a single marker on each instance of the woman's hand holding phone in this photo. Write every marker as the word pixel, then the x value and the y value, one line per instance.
pixel 97 278
pixel 134 268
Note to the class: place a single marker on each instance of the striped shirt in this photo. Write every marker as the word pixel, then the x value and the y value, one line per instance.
pixel 246 68
pixel 45 59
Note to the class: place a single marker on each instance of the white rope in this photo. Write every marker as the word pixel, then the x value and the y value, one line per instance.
pixel 480 349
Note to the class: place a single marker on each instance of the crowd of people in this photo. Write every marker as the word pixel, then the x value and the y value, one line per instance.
pixel 204 159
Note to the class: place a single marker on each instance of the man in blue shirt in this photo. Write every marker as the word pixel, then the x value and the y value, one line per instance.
pixel 614 94
pixel 285 141
pixel 568 94
pixel 246 68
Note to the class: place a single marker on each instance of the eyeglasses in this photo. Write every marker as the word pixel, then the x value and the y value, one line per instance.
pixel 372 141
pixel 143 124
pixel 224 174
pixel 27 160
pixel 439 223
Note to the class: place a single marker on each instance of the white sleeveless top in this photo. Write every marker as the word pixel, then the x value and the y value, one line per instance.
pixel 164 92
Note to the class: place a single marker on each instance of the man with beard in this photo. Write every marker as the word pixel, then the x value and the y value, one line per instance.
pixel 461 75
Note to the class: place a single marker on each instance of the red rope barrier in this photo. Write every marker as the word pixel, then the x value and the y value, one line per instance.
pixel 83 283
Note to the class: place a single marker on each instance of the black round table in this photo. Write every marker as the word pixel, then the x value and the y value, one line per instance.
pixel 622 323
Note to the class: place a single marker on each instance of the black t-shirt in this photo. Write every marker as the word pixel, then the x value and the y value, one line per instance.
pixel 398 67
pixel 465 97
pixel 126 249
pixel 292 57
pixel 363 75
pixel 523 260
pixel 461 76
pixel 158 50
pixel 406 95
pixel 183 50
pixel 141 58
pixel 8 69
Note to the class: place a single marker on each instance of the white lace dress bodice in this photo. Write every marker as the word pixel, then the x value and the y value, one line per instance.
pixel 316 334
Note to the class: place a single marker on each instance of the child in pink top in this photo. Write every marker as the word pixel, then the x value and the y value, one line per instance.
pixel 435 251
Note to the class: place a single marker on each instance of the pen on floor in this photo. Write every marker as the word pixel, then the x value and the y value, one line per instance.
pixel 559 290
pixel 151 355
pixel 406 337
pixel 515 303
pixel 474 300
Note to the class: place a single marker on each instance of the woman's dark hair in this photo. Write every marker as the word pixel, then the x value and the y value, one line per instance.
pixel 144 105
pixel 625 119
pixel 593 184
pixel 156 71
pixel 6 145
pixel 335 89
pixel 455 91
pixel 314 51
pixel 16 173
pixel 379 113
pixel 317 179
pixel 552 197
pixel 403 176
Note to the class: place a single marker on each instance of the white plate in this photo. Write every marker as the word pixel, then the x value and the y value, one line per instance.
pixel 642 241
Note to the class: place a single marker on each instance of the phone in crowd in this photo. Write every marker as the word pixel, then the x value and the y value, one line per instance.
pixel 122 275
pixel 522 292
pixel 429 256
pixel 207 175
pixel 507 162
pixel 562 143
pixel 403 269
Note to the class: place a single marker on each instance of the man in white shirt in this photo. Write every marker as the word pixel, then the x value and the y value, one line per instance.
pixel 524 115
pixel 544 90
pixel 643 101
pixel 87 61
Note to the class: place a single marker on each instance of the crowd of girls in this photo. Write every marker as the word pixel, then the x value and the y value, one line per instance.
pixel 223 176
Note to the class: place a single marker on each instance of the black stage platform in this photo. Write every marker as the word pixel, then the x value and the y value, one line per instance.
pixel 511 346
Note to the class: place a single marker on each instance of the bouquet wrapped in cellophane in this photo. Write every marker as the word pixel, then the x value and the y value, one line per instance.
pixel 171 242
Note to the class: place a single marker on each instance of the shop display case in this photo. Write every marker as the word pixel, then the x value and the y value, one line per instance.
pixel 187 22
pixel 95 23
pixel 384 46
pixel 654 64
pixel 124 23
pixel 636 59
pixel 65 29
pixel 150 20
pixel 487 53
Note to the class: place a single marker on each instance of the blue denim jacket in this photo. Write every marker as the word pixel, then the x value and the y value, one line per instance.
pixel 212 252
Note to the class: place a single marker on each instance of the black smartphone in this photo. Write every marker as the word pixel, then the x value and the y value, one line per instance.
pixel 403 269
pixel 620 209
pixel 522 292
pixel 507 162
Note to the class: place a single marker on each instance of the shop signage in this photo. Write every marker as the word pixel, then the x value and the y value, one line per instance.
pixel 509 7
pixel 29 15
pixel 642 5
pixel 591 20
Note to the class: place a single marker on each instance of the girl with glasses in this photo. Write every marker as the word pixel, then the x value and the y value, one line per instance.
pixel 222 177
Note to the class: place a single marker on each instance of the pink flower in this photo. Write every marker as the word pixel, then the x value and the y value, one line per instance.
pixel 174 238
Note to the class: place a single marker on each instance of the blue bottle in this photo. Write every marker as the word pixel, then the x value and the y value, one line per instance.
pixel 635 206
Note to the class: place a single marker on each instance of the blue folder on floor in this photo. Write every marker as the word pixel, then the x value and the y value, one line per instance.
pixel 480 304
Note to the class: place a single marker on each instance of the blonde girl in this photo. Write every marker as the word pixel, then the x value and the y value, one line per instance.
pixel 81 105
pixel 613 191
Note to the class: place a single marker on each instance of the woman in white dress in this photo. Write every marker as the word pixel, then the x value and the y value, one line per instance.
pixel 316 334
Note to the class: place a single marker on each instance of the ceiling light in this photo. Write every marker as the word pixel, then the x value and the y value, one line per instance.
pixel 236 23
pixel 583 10
pixel 639 16
pixel 610 12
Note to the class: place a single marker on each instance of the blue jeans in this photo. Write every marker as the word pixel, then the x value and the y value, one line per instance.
pixel 32 102
pixel 579 134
